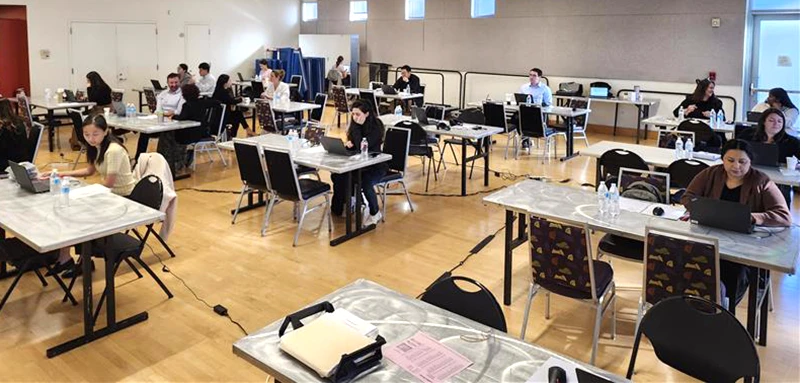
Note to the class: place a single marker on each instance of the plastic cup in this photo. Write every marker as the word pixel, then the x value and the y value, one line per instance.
pixel 791 163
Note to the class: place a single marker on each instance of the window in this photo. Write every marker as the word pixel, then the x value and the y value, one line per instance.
pixel 309 11
pixel 358 10
pixel 774 5
pixel 482 8
pixel 415 9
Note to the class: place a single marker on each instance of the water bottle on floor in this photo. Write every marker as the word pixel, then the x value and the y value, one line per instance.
pixel 678 148
pixel 602 198
pixel 689 148
pixel 364 147
pixel 613 201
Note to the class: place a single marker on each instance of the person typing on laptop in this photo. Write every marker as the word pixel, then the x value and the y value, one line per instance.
pixel 364 124
pixel 537 89
pixel 771 129
pixel 736 181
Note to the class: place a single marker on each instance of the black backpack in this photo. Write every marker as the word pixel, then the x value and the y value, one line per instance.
pixel 643 191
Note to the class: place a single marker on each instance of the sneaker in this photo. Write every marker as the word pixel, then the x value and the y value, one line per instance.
pixel 75 271
pixel 60 267
pixel 372 219
pixel 526 144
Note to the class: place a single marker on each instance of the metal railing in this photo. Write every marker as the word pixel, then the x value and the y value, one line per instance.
pixel 466 74
pixel 439 72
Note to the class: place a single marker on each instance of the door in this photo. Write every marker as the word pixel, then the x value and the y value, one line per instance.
pixel 776 57
pixel 14 60
pixel 137 57
pixel 197 42
pixel 93 48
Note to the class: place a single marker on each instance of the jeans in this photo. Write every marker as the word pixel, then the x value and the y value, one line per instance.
pixel 369 177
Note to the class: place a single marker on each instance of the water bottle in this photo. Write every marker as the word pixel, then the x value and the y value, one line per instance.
pixel 398 110
pixel 364 147
pixel 689 148
pixel 613 201
pixel 55 183
pixel 602 198
pixel 681 114
pixel 528 100
pixel 720 119
pixel 679 148
pixel 160 115
pixel 712 119
pixel 290 139
pixel 64 192
pixel 408 89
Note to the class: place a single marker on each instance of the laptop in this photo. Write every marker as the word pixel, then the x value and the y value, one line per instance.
pixel 721 214
pixel 119 108
pixel 335 145
pixel 241 78
pixel 598 92
pixel 521 98
pixel 70 95
pixel 765 154
pixel 422 117
pixel 257 89
pixel 387 89
pixel 753 116
pixel 24 180
pixel 156 85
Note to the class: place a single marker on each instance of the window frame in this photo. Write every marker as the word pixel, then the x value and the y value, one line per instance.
pixel 357 16
pixel 474 4
pixel 303 11
pixel 409 16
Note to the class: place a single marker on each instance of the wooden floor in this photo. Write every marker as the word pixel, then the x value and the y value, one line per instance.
pixel 261 279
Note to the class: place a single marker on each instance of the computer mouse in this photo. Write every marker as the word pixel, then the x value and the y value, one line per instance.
pixel 477 128
pixel 556 375
pixel 658 211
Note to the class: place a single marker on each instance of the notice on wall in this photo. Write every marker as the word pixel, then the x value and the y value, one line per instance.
pixel 784 61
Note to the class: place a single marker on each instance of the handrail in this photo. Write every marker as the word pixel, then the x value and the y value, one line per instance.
pixel 464 95
pixel 735 108
pixel 430 71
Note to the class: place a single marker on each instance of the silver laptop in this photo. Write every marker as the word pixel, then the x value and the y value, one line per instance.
pixel 24 179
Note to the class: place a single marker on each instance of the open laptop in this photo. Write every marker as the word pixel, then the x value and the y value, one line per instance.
pixel 257 88
pixel 24 179
pixel 335 145
pixel 241 78
pixel 721 214
pixel 156 85
pixel 387 89
pixel 598 92
pixel 422 117
pixel 521 98
pixel 753 116
pixel 765 154
pixel 70 95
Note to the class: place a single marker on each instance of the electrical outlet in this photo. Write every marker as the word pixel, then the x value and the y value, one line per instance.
pixel 716 22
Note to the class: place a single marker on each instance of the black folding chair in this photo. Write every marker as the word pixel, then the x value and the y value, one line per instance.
pixel 480 305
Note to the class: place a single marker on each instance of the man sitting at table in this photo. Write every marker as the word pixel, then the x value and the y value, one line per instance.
pixel 539 91
pixel 407 80
pixel 736 181
pixel 206 82
pixel 170 102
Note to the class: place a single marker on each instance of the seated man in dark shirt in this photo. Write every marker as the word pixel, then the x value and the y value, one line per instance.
pixel 407 79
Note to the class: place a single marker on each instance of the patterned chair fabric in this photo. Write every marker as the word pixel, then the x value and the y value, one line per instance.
pixel 117 97
pixel 580 103
pixel 150 96
pixel 340 100
pixel 25 107
pixel 680 267
pixel 668 138
pixel 265 116
pixel 314 134
pixel 560 260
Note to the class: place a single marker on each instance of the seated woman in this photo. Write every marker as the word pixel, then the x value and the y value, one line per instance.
pixel 97 90
pixel 700 103
pixel 105 155
pixel 233 116
pixel 772 129
pixel 13 137
pixel 275 88
pixel 736 181
pixel 364 124
pixel 779 99
pixel 172 145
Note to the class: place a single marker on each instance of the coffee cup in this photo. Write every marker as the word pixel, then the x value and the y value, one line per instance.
pixel 246 100
pixel 791 163
pixel 106 111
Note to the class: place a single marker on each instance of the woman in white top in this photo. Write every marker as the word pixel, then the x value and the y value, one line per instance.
pixel 264 73
pixel 779 99
pixel 276 89
pixel 106 156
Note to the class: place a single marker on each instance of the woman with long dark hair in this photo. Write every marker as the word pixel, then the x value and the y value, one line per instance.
pixel 701 102
pixel 97 90
pixel 223 94
pixel 779 99
pixel 772 129
pixel 14 144
pixel 364 124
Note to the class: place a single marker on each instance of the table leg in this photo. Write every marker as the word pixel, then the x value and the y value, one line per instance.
pixel 463 167
pixel 51 128
pixel 141 105
pixel 616 115
pixel 752 303
pixel 644 112
pixel 111 301
pixel 508 251
pixel 570 142
pixel 487 144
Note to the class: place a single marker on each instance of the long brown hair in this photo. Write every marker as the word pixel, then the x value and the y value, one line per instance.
pixel 700 90
pixel 761 134
pixel 8 119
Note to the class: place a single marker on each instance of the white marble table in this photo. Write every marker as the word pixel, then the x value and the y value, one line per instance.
pixel 673 122
pixel 496 356
pixel 38 222
pixel 51 106
pixel 149 124
pixel 379 93
pixel 767 249
pixel 467 132
pixel 662 157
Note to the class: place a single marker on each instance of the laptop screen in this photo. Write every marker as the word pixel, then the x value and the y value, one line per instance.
pixel 598 92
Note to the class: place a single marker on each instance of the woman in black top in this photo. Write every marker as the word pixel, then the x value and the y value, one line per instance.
pixel 233 116
pixel 364 124
pixel 13 137
pixel 97 90
pixel 700 103
pixel 771 129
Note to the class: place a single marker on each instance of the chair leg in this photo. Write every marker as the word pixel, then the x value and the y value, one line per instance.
pixel 300 224
pixel 427 180
pixel 11 288
pixel 598 319
pixel 134 268
pixel 155 277
pixel 325 211
pixel 194 159
pixel 267 214
pixel 383 202
pixel 238 204
pixel 547 305
pixel 64 287
pixel 639 314
pixel 221 157
pixel 408 197
pixel 531 293
pixel 453 151
pixel 614 312
pixel 41 277
pixel 328 212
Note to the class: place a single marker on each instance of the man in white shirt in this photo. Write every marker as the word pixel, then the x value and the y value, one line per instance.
pixel 538 90
pixel 170 101
pixel 207 82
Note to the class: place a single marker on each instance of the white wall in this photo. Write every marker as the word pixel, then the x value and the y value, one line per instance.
pixel 240 29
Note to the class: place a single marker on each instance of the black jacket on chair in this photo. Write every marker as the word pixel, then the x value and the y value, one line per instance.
pixel 194 111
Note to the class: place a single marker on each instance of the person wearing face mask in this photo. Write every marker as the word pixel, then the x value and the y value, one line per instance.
pixel 364 124
pixel 736 181
pixel 700 103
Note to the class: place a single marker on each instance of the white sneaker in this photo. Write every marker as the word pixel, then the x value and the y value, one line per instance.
pixel 372 219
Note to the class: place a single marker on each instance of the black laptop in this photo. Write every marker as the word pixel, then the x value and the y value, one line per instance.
pixel 521 98
pixel 70 96
pixel 721 214
pixel 422 117
pixel 257 89
pixel 387 89
pixel 765 154
pixel 753 116
pixel 24 179
pixel 335 145
pixel 241 78
pixel 156 85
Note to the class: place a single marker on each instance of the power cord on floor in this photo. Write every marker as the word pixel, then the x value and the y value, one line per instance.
pixel 210 190
pixel 219 309
pixel 475 250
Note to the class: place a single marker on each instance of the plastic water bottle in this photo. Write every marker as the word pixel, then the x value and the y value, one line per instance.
pixel 689 148
pixel 613 201
pixel 679 148
pixel 55 183
pixel 408 89
pixel 681 114
pixel 64 192
pixel 364 147
pixel 290 139
pixel 712 119
pixel 398 110
pixel 720 119
pixel 528 100
pixel 602 198
pixel 160 115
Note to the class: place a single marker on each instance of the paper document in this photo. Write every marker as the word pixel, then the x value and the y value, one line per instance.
pixel 426 358
pixel 88 191
pixel 633 205
pixel 790 172
pixel 350 320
